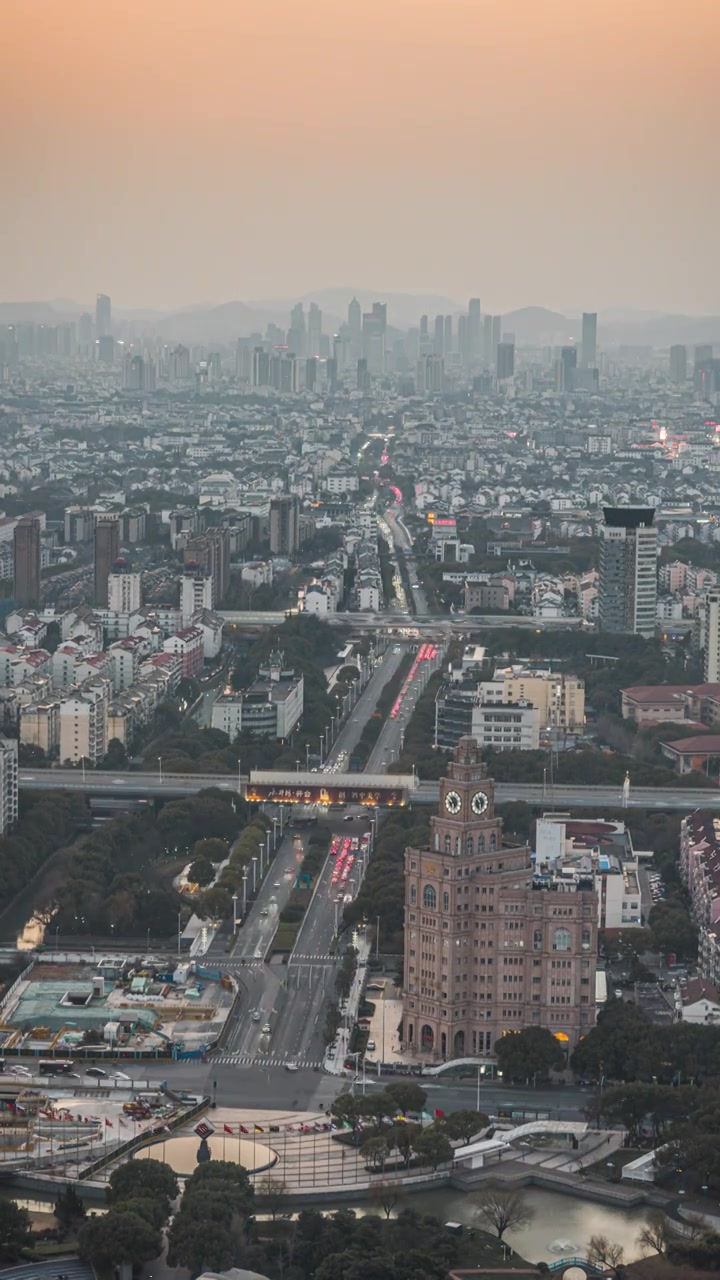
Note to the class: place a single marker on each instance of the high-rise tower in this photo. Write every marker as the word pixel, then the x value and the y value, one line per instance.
pixel 627 590
pixel 26 578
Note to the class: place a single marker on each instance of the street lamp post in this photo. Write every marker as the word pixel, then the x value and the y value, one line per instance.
pixel 245 876
pixel 234 902
pixel 261 847
pixel 160 760
pixel 254 867
pixel 275 827
pixel 179 930
pixel 82 765
pixel 239 776
pixel 267 842
pixel 307 757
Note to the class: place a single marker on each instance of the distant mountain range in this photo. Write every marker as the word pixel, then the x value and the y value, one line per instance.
pixel 224 322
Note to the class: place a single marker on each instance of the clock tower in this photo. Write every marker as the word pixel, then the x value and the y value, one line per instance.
pixel 489 948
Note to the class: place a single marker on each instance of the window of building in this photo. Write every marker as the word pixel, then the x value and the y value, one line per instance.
pixel 561 940
pixel 446 902
pixel 430 899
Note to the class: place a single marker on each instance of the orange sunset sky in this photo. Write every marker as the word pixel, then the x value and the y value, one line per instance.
pixel 173 151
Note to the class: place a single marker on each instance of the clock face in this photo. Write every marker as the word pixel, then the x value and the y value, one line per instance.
pixel 453 803
pixel 479 802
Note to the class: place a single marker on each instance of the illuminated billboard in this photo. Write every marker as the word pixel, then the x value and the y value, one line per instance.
pixel 323 793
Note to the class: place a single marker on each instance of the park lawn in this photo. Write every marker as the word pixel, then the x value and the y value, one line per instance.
pixel 480 1249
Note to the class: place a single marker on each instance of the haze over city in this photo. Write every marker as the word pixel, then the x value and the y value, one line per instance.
pixel 359 639
pixel 538 153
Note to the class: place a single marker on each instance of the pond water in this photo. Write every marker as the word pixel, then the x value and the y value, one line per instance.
pixel 560 1228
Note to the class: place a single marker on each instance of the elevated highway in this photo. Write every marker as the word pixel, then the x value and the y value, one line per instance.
pixel 152 785
pixel 397 623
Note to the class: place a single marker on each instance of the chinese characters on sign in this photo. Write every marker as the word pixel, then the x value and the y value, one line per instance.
pixel 325 795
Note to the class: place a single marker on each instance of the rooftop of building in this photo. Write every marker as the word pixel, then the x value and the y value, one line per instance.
pixel 699 744
pixel 668 692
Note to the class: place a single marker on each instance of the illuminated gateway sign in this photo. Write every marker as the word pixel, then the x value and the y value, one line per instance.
pixel 370 789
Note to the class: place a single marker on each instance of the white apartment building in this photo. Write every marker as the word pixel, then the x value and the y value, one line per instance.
pixel 83 723
pixel 513 726
pixel 124 592
pixel 197 591
pixel 125 658
pixel 8 784
pixel 227 714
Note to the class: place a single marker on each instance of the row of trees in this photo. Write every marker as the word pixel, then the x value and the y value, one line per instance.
pixel 216 902
pixel 418 752
pixel 626 1046
pixel 382 892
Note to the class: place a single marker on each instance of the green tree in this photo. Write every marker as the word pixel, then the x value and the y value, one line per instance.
pixel 214 904
pixel 14 1230
pixel 115 1238
pixel 212 849
pixel 530 1052
pixel 406 1096
pixel 433 1147
pixel 201 871
pixel 69 1208
pixel 142 1177
pixel 464 1124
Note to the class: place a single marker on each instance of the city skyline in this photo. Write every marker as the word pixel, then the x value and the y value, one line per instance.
pixel 544 155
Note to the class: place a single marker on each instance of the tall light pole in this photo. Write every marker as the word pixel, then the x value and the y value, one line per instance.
pixel 234 902
pixel 307 757
pixel 261 846
pixel 239 776
pixel 82 765
pixel 275 827
pixel 160 760
pixel 245 876
pixel 267 842
pixel 254 867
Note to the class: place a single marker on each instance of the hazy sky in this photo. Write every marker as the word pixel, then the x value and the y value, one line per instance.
pixel 536 151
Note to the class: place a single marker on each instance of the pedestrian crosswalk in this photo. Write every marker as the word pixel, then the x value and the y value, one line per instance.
pixel 311 958
pixel 264 1060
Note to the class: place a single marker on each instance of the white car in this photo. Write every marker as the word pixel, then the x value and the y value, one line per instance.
pixel 256 1015
pixel 276 884
pixel 266 1029
pixel 291 1066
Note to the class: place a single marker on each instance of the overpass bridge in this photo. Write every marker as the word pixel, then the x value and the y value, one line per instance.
pixel 402 623
pixel 172 785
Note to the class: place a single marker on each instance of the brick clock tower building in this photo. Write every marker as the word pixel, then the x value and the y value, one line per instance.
pixel 489 947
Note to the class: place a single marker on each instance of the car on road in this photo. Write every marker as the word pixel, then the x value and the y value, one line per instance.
pixel 370 1046
pixel 291 1066
pixel 256 1015
pixel 95 1071
pixel 266 1029
pixel 120 1075
pixel 264 911
pixel 618 993
pixel 276 884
